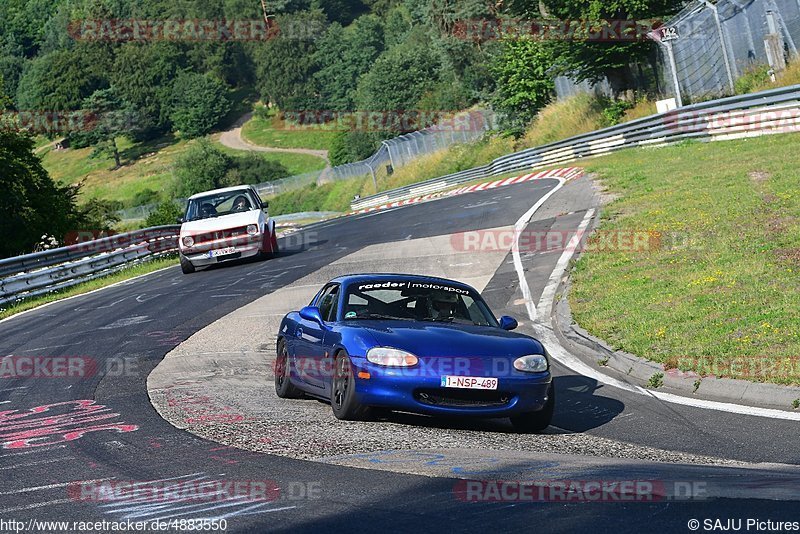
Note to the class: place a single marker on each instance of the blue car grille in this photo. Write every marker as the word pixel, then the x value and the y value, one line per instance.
pixel 463 398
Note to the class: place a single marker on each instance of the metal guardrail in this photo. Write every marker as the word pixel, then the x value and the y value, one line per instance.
pixel 773 111
pixel 50 270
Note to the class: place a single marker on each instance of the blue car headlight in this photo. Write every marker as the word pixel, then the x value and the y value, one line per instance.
pixel 390 357
pixel 532 363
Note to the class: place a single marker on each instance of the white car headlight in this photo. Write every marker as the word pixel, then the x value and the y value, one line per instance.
pixel 188 241
pixel 391 357
pixel 532 363
pixel 252 229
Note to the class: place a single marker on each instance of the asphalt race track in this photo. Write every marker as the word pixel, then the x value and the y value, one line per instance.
pixel 52 442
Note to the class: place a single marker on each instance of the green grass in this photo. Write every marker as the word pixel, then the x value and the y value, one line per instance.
pixel 295 163
pixel 144 166
pixel 335 196
pixel 723 289
pixel 270 132
pixel 125 274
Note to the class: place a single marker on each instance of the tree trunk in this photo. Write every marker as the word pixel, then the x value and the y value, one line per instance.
pixel 115 151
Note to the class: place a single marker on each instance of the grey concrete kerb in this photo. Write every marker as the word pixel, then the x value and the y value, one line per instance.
pixel 599 354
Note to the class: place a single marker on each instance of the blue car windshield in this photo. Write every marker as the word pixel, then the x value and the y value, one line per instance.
pixel 411 300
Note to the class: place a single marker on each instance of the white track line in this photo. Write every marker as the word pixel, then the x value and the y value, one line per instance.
pixel 548 337
pixel 518 228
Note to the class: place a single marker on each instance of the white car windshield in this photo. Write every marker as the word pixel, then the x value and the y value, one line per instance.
pixel 218 204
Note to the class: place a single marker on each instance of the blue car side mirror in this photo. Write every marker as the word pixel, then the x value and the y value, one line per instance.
pixel 508 323
pixel 311 313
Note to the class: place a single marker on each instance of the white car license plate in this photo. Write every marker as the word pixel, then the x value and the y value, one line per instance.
pixel 469 382
pixel 221 252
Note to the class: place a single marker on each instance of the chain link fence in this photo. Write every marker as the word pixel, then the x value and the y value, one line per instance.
pixel 708 46
pixel 463 127
pixel 395 153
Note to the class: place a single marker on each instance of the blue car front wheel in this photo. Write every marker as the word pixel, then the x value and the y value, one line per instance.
pixel 344 403
pixel 531 422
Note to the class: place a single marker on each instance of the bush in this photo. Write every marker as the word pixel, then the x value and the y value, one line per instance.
pixel 144 197
pixel 347 147
pixel 255 169
pixel 752 80
pixel 166 213
pixel 202 167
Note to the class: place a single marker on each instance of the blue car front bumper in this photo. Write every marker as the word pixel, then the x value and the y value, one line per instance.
pixel 405 390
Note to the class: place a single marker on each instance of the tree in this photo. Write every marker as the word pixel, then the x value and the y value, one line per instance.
pixel 32 205
pixel 524 85
pixel 61 80
pixel 201 168
pixel 343 56
pixel 113 118
pixel 5 101
pixel 398 79
pixel 593 60
pixel 99 214
pixel 285 66
pixel 11 65
pixel 198 103
pixel 143 75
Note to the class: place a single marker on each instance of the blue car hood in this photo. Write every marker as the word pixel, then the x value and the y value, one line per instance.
pixel 426 339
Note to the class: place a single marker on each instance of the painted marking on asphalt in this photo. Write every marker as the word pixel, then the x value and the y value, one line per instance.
pixel 519 226
pixel 127 321
pixel 35 505
pixel 546 334
pixel 34 451
pixel 122 282
pixel 40 462
pixel 53 486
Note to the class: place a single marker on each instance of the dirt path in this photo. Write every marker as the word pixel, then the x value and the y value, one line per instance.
pixel 233 139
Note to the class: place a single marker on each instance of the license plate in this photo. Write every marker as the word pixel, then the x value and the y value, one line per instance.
pixel 221 252
pixel 469 382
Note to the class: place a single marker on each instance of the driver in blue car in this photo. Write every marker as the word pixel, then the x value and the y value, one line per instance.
pixel 443 305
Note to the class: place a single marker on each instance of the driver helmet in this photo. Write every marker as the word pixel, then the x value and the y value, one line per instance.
pixel 443 304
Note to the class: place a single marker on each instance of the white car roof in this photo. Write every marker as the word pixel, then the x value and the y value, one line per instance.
pixel 223 190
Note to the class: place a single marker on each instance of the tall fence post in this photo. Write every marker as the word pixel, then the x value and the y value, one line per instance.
pixel 673 67
pixel 723 45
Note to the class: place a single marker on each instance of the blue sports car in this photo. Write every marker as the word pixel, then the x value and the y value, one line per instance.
pixel 377 342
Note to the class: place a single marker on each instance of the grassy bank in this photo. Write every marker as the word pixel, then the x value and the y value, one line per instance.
pixel 273 132
pixel 145 166
pixel 125 274
pixel 722 286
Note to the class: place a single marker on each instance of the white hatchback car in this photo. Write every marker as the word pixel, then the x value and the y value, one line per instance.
pixel 223 225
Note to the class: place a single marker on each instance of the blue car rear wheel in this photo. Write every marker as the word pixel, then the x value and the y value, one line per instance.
pixel 283 387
